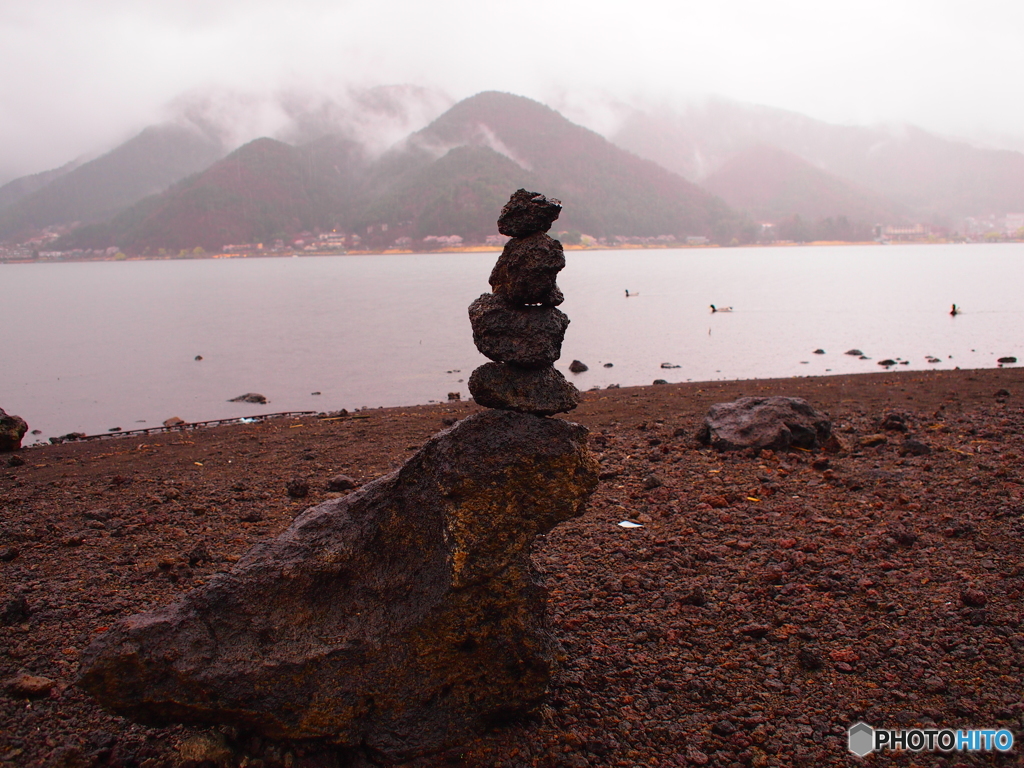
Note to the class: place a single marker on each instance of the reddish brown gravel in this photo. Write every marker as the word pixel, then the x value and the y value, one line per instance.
pixel 768 602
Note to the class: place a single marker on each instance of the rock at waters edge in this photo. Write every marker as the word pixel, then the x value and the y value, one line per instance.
pixel 530 337
pixel 776 423
pixel 543 391
pixel 249 397
pixel 528 212
pixel 12 430
pixel 399 618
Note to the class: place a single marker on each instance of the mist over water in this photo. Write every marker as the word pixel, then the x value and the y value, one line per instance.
pixel 90 346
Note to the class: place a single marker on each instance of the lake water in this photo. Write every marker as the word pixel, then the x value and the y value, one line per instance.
pixel 89 346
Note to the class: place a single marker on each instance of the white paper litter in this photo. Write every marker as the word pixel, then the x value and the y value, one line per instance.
pixel 629 524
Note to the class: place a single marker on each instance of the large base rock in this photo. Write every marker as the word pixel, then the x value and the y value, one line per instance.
pixel 543 391
pixel 13 429
pixel 398 618
pixel 775 423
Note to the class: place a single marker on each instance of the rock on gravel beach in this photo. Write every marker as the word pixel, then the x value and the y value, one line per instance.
pixel 765 604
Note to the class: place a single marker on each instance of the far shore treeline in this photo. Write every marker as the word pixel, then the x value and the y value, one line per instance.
pixel 173 193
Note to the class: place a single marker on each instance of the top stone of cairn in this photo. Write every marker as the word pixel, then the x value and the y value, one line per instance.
pixel 527 213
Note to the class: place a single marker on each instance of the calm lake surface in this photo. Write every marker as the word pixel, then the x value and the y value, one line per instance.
pixel 90 346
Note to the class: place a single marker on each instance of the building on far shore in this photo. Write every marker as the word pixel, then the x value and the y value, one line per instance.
pixel 904 233
pixel 242 248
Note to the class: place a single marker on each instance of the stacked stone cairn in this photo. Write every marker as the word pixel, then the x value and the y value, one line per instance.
pixel 407 615
pixel 519 325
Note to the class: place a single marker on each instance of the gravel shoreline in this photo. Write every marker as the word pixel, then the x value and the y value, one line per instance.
pixel 767 603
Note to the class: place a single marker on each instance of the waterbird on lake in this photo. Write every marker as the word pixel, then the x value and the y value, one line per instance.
pixel 954 311
pixel 720 309
pixel 634 293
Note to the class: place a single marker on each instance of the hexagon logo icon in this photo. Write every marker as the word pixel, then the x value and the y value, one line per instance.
pixel 861 739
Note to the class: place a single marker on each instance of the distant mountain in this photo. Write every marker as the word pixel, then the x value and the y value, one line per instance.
pixel 450 178
pixel 263 191
pixel 22 187
pixel 771 184
pixel 460 193
pixel 204 126
pixel 349 161
pixel 148 163
pixel 941 179
pixel 936 179
pixel 605 190
pixel 697 139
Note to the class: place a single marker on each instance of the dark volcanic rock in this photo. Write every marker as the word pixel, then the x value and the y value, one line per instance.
pixel 526 271
pixel 543 391
pixel 895 422
pixel 578 367
pixel 12 429
pixel 341 483
pixel 914 447
pixel 775 423
pixel 297 488
pixel 526 213
pixel 530 337
pixel 14 611
pixel 399 617
pixel 249 397
pixel 28 686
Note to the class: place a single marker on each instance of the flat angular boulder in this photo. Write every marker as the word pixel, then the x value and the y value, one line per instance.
pixel 526 213
pixel 776 423
pixel 398 618
pixel 542 391
pixel 530 337
pixel 527 270
pixel 12 430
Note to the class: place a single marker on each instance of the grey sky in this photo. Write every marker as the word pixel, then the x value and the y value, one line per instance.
pixel 78 77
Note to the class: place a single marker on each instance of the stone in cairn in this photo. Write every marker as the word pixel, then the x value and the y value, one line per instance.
pixel 518 326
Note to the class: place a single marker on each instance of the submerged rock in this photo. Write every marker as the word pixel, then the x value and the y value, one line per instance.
pixel 776 423
pixel 398 618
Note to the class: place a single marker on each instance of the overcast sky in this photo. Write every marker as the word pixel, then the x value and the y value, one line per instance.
pixel 80 76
